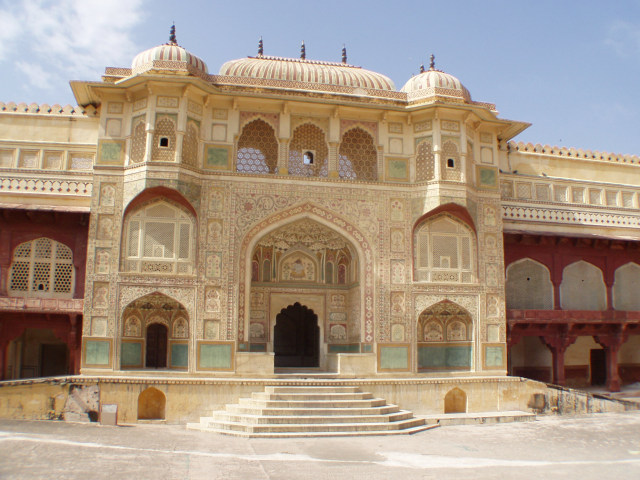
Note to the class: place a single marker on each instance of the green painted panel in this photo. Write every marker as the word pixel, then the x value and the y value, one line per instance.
pixel 180 355
pixel 494 356
pixel 398 169
pixel 445 357
pixel 394 358
pixel 258 347
pixel 110 152
pixel 366 348
pixel 488 176
pixel 215 356
pixel 97 352
pixel 131 354
pixel 349 348
pixel 217 157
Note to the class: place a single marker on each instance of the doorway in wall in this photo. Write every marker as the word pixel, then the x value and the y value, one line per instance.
pixel 156 346
pixel 598 364
pixel 296 338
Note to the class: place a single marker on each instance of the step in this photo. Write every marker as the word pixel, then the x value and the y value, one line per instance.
pixel 314 428
pixel 311 396
pixel 311 389
pixel 406 431
pixel 367 403
pixel 479 418
pixel 221 417
pixel 253 410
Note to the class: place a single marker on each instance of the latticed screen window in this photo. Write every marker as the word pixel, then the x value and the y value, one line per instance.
pixel 257 148
pixel 306 138
pixel 159 240
pixel 358 157
pixel 444 252
pixel 42 267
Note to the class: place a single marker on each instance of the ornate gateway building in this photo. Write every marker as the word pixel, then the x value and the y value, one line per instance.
pixel 291 214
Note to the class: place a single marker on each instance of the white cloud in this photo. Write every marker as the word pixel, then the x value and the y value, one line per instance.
pixel 624 38
pixel 71 39
pixel 36 75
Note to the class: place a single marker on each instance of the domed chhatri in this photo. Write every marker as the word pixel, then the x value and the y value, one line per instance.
pixel 267 68
pixel 435 83
pixel 169 57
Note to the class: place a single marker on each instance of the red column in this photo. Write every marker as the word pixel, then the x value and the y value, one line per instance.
pixel 72 342
pixel 611 344
pixel 3 357
pixel 558 344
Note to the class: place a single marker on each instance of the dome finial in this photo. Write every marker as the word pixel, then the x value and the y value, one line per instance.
pixel 172 35
pixel 422 68
pixel 303 52
pixel 432 62
pixel 260 47
pixel 344 53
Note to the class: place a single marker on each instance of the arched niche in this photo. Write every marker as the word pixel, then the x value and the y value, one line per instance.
pixel 583 287
pixel 151 404
pixel 455 401
pixel 528 286
pixel 626 287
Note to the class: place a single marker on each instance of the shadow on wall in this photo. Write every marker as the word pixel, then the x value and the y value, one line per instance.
pixel 151 404
pixel 455 401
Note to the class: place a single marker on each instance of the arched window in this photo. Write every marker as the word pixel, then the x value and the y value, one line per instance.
pixel 42 268
pixel 138 140
pixel 358 156
pixel 625 287
pixel 529 286
pixel 583 287
pixel 164 140
pixel 257 149
pixel 159 239
pixel 424 161
pixel 190 144
pixel 444 251
pixel 308 152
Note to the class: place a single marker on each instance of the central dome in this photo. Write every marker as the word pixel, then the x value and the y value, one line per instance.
pixel 306 71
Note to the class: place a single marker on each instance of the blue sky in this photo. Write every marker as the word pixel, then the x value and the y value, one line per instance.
pixel 570 68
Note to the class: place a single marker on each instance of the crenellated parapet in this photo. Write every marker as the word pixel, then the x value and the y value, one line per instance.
pixel 571 152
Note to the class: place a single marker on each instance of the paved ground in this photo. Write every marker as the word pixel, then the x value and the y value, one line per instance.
pixel 588 447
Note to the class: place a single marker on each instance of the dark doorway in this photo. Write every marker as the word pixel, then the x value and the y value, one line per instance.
pixel 53 360
pixel 156 346
pixel 296 337
pixel 598 367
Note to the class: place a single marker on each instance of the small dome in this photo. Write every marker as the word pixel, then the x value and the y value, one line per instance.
pixel 432 83
pixel 326 74
pixel 169 56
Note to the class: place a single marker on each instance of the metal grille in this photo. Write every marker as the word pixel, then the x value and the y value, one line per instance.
pixel 424 162
pixel 138 142
pixel 450 150
pixel 165 128
pixel 358 157
pixel 190 145
pixel 257 149
pixel 308 137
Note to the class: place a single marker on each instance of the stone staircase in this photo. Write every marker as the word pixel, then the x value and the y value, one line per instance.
pixel 311 411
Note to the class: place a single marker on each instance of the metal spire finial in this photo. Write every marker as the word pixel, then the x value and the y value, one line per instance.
pixel 432 62
pixel 172 35
pixel 422 68
pixel 303 52
pixel 260 47
pixel 344 53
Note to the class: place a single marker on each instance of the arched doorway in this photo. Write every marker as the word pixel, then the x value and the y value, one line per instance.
pixel 156 346
pixel 296 337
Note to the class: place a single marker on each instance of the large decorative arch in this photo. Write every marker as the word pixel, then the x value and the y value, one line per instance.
pixel 445 337
pixel 583 287
pixel 360 243
pixel 528 285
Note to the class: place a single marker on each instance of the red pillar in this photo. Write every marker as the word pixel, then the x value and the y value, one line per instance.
pixel 72 342
pixel 558 344
pixel 611 344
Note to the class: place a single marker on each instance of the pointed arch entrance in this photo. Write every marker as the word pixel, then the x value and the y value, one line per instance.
pixel 296 337
pixel 156 356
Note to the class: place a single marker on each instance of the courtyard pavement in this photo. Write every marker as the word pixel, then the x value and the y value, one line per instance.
pixel 587 447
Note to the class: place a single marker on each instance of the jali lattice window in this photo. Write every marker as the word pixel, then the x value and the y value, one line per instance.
pixel 358 156
pixel 42 268
pixel 164 140
pixel 444 251
pixel 450 169
pixel 138 141
pixel 257 149
pixel 424 161
pixel 190 145
pixel 306 138
pixel 159 239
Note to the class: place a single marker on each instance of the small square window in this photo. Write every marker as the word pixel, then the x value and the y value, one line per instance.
pixel 451 163
pixel 308 157
pixel 164 142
